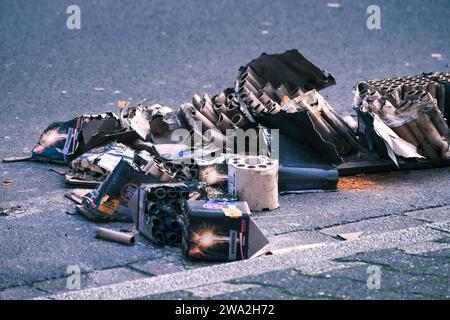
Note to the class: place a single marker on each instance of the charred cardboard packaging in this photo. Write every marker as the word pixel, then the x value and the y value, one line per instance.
pixel 92 167
pixel 110 201
pixel 153 123
pixel 221 231
pixel 157 211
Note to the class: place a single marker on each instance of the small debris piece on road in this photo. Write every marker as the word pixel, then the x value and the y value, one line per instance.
pixel 121 104
pixel 437 56
pixel 115 236
pixel 350 236
pixel 7 183
pixel 11 211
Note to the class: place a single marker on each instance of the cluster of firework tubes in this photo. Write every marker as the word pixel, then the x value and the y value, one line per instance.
pixel 410 107
pixel 264 100
pixel 213 120
pixel 162 212
pixel 167 171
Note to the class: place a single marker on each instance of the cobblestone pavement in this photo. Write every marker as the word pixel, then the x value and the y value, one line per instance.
pixel 412 263
pixel 415 272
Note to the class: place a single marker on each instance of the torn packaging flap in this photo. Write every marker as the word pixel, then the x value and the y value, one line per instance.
pixel 221 231
pixel 133 205
pixel 394 144
pixel 299 126
pixel 290 68
pixel 95 129
pixel 110 200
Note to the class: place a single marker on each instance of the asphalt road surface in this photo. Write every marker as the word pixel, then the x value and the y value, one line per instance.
pixel 167 51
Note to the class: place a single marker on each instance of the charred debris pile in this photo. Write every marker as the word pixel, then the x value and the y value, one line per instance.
pixel 191 177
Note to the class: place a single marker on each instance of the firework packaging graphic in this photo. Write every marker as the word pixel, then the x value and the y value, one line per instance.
pixel 110 201
pixel 61 142
pixel 221 231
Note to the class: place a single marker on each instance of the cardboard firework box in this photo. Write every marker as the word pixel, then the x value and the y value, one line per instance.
pixel 221 231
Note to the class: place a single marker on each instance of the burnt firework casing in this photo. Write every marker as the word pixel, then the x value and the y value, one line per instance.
pixel 220 231
pixel 157 210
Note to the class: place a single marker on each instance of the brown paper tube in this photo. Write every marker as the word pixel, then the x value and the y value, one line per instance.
pixel 152 207
pixel 250 98
pixel 200 117
pixel 393 96
pixel 243 92
pixel 221 98
pixel 116 236
pixel 172 224
pixel 422 86
pixel 427 150
pixel 328 133
pixel 439 121
pixel 165 177
pixel 208 111
pixel 207 99
pixel 259 108
pixel 222 108
pixel 281 92
pixel 172 238
pixel 405 133
pixel 239 120
pixel 149 164
pixel 216 138
pixel 197 102
pixel 233 109
pixel 249 86
pixel 275 108
pixel 224 122
pixel 388 109
pixel 404 106
pixel 263 98
pixel 160 193
pixel 269 90
pixel 252 72
pixel 431 134
pixel 432 88
pixel 329 116
pixel 155 171
pixel 158 235
pixel 254 82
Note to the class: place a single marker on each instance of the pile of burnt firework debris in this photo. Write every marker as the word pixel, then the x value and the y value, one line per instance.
pixel 191 177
